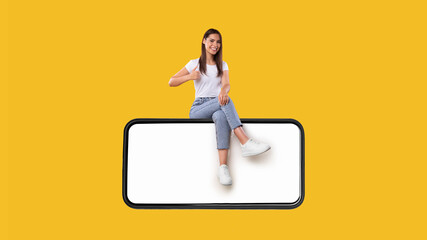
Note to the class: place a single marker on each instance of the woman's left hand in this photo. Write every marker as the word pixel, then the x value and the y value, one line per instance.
pixel 223 98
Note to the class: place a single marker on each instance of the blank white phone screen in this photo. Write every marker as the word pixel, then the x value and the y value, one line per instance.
pixel 177 163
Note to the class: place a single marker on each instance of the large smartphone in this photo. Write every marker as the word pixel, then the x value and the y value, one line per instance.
pixel 173 164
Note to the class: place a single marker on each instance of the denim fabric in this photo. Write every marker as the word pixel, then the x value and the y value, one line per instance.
pixel 225 117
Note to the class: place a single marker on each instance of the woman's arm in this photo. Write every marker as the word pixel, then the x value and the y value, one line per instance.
pixel 225 88
pixel 183 76
pixel 225 82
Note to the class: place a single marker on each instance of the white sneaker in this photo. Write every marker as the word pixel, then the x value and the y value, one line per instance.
pixel 224 175
pixel 252 148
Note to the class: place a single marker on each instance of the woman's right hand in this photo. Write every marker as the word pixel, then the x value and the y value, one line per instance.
pixel 195 75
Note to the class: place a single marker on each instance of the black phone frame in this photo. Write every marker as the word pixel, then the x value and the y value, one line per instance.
pixel 213 205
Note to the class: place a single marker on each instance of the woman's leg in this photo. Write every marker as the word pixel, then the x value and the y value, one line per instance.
pixel 235 123
pixel 223 130
pixel 241 135
pixel 222 135
pixel 223 154
pixel 249 146
pixel 207 109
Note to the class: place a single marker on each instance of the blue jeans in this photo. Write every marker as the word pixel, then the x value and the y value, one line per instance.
pixel 225 117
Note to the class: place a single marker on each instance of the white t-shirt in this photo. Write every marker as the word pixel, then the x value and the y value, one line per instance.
pixel 208 85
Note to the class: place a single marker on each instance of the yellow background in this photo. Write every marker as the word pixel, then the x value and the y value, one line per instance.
pixel 75 72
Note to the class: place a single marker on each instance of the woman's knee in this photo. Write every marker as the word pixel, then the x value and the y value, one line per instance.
pixel 219 116
pixel 194 114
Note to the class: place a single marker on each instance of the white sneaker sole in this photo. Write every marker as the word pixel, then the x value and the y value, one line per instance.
pixel 250 154
pixel 225 184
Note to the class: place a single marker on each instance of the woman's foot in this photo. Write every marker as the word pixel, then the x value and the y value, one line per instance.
pixel 252 148
pixel 224 175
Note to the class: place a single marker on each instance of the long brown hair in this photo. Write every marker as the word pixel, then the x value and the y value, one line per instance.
pixel 217 56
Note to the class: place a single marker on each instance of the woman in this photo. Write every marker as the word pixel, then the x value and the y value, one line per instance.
pixel 210 76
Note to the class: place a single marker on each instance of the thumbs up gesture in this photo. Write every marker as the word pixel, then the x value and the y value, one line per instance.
pixel 195 75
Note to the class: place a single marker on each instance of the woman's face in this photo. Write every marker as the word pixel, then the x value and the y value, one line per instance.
pixel 212 43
